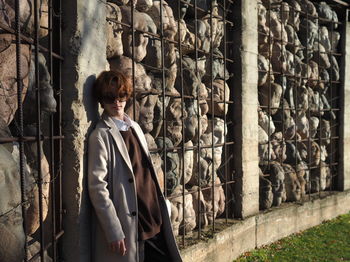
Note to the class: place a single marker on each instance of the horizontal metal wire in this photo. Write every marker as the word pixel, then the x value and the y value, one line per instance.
pixel 159 37
pixel 4 140
pixel 188 148
pixel 200 189
pixel 46 248
pixel 29 40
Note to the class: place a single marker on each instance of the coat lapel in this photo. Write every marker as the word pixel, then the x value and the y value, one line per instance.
pixel 141 138
pixel 118 139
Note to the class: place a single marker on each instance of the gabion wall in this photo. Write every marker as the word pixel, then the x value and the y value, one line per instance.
pixel 30 130
pixel 299 87
pixel 180 98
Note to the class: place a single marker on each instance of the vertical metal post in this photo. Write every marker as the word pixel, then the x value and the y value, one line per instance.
pixel 52 152
pixel 199 126
pixel 212 113
pixel 38 126
pixel 20 118
pixel 225 118
pixel 182 119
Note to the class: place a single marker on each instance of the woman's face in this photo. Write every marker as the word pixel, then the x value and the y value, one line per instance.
pixel 115 108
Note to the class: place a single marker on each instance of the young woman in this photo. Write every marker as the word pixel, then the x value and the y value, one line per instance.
pixel 132 223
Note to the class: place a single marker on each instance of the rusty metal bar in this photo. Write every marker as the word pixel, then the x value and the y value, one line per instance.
pixel 20 118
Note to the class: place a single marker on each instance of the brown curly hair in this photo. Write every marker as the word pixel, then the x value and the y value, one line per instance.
pixel 111 85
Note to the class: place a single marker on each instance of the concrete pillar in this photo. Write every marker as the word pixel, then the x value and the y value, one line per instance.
pixel 245 97
pixel 344 174
pixel 84 49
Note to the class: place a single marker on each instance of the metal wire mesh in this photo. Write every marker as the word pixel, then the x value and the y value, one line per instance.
pixel 187 68
pixel 299 88
pixel 31 136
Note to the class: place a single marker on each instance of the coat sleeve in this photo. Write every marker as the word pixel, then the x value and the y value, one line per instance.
pixel 98 191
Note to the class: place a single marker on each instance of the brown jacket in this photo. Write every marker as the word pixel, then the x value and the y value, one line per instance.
pixel 113 196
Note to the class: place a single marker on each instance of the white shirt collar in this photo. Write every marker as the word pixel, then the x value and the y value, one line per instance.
pixel 123 125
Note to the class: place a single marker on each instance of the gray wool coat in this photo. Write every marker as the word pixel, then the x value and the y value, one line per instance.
pixel 113 195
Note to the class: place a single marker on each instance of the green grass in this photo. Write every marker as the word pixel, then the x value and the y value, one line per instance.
pixel 329 241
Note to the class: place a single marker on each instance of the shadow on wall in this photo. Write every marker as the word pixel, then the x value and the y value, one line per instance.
pixel 92 114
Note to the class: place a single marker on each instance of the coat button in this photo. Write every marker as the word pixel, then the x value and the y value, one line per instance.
pixel 133 213
pixel 131 180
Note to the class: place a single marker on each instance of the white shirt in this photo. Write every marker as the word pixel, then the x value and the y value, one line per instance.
pixel 123 125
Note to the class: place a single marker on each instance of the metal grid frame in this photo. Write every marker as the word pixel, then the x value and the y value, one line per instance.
pixel 332 94
pixel 50 229
pixel 227 178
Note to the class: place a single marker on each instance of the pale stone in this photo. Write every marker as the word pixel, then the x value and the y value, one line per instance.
pixel 170 28
pixel 265 70
pixel 189 221
pixel 308 7
pixel 292 184
pixel 315 154
pixel 325 132
pixel 176 216
pixel 174 123
pixel 114 31
pixel 265 121
pixel 264 30
pixel 334 38
pixel 173 176
pixel 294 14
pixel 11 223
pixel 220 132
pixel 156 160
pixel 188 162
pixel 314 74
pixel 265 192
pixel 293 155
pixel 216 206
pixel 143 23
pixel 264 147
pixel 314 122
pixel 320 56
pixel 32 190
pixel 303 127
pixel 187 38
pixel 199 206
pixel 47 100
pixel 315 103
pixel 276 176
pixel 308 33
pixel 334 68
pixel 144 5
pixel 325 11
pixel 278 146
pixel 205 173
pixel 191 119
pixel 221 95
pixel 217 71
pixel 124 64
pixel 183 8
pixel 270 92
pixel 279 57
pixel 168 21
pixel 302 99
pixel 303 175
pixel 288 122
pixel 277 28
pixel 8 75
pixel 320 178
pixel 147 104
pixel 324 39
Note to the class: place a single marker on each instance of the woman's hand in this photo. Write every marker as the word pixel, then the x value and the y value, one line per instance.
pixel 118 246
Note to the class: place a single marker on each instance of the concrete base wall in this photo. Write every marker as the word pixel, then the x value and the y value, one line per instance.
pixel 267 227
